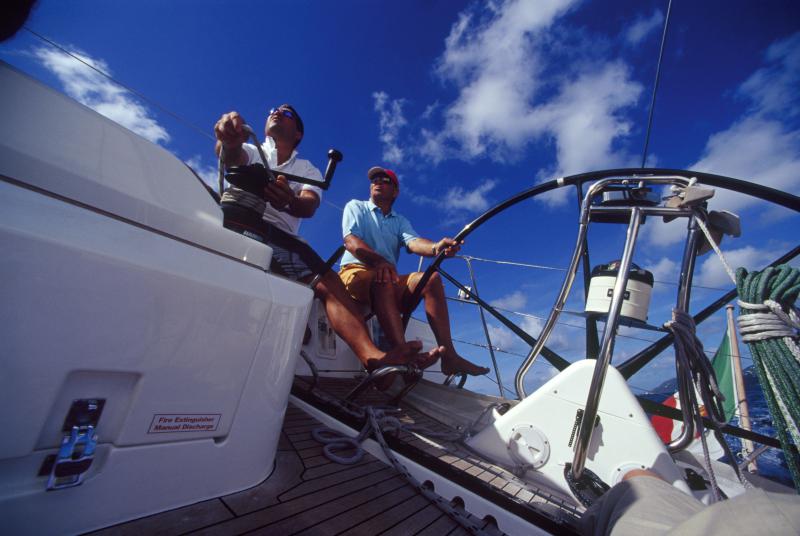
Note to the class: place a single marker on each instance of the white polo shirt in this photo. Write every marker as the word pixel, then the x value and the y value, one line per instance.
pixel 295 166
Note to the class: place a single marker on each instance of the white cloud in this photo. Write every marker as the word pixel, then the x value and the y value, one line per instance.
pixel 390 121
pixel 515 301
pixel 494 61
pixel 773 88
pixel 664 271
pixel 758 146
pixel 460 203
pixel 502 337
pixel 532 325
pixel 495 56
pixel 565 340
pixel 209 174
pixel 712 273
pixel 497 64
pixel 755 148
pixel 470 200
pixel 433 146
pixel 585 121
pixel 642 27
pixel 429 110
pixel 99 93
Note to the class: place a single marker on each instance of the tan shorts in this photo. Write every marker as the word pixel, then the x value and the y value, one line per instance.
pixel 358 279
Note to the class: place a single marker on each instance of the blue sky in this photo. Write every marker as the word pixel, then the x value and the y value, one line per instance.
pixel 469 103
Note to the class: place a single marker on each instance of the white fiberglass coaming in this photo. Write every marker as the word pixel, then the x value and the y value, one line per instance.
pixel 120 285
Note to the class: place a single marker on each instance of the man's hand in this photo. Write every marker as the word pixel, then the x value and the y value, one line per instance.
pixel 229 131
pixel 279 194
pixel 385 272
pixel 448 245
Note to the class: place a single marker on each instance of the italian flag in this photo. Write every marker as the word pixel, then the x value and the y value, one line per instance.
pixel 668 429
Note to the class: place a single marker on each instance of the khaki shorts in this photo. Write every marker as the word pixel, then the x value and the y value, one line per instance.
pixel 358 279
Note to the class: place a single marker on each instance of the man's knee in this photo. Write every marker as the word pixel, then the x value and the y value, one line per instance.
pixel 434 283
pixel 328 285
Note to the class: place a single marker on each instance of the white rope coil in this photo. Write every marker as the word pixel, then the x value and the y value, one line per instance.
pixel 771 323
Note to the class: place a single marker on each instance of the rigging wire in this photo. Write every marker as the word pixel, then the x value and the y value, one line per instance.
pixel 556 268
pixel 655 85
pixel 567 324
pixel 126 87
pixel 500 350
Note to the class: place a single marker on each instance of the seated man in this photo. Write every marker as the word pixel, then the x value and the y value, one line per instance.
pixel 373 234
pixel 644 504
pixel 275 218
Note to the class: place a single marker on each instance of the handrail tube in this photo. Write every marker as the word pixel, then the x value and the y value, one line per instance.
pixel 606 347
pixel 569 279
pixel 555 312
pixel 592 339
pixel 684 296
pixel 646 211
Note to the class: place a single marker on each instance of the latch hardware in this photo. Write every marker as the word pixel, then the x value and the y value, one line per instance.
pixel 78 444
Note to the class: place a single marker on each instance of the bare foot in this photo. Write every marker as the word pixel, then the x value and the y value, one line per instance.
pixel 404 354
pixel 407 353
pixel 452 363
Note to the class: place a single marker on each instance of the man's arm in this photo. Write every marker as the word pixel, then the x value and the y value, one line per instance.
pixel 385 271
pixel 283 198
pixel 230 136
pixel 427 248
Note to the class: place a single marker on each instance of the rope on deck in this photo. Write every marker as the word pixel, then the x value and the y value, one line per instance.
pixel 377 423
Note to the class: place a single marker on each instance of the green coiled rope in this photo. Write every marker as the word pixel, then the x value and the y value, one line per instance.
pixel 772 293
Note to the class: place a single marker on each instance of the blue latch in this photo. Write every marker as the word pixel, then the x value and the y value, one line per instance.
pixel 76 453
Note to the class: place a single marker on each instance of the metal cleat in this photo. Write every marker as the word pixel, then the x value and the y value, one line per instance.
pixel 690 196
pixel 720 223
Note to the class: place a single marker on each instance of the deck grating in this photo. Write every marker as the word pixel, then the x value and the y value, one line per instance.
pixel 306 494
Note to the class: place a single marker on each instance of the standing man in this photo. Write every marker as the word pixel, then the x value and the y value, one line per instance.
pixel 373 234
pixel 274 219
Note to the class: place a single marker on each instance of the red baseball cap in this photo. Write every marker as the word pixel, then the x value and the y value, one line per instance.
pixel 379 171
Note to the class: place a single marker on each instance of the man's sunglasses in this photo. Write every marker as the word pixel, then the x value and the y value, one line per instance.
pixel 381 180
pixel 283 111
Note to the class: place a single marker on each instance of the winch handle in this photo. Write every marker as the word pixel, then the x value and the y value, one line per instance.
pixel 334 157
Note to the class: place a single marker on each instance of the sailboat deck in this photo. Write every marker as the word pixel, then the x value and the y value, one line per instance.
pixel 309 494
pixel 544 507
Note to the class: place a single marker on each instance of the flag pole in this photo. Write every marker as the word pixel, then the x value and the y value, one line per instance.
pixel 742 409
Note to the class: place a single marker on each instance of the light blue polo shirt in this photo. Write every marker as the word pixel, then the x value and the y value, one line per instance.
pixel 384 234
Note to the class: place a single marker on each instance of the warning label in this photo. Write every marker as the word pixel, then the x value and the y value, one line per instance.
pixel 170 422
